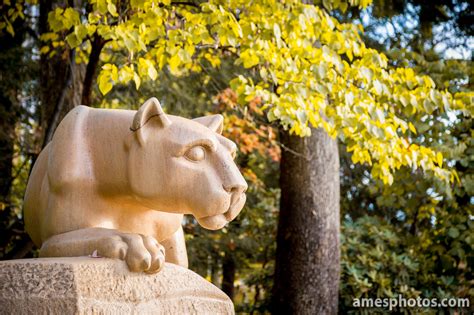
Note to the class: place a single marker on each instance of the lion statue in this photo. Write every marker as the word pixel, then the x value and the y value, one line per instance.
pixel 116 184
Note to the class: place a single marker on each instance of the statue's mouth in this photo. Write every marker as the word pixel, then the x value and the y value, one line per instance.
pixel 235 207
pixel 218 221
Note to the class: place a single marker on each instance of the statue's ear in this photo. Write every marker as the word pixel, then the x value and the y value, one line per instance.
pixel 150 110
pixel 213 122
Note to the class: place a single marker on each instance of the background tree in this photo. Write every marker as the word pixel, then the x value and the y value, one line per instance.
pixel 307 257
pixel 15 70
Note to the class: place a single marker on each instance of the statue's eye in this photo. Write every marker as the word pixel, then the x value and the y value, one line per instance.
pixel 197 153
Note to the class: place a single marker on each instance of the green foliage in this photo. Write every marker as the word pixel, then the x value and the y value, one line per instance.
pixel 381 259
pixel 430 224
pixel 417 219
pixel 375 261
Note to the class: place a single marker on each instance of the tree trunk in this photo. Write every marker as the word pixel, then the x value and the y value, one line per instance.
pixel 307 259
pixel 8 119
pixel 12 72
pixel 228 275
pixel 61 81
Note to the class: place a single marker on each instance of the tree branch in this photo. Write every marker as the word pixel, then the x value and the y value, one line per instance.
pixel 191 4
pixel 60 103
pixel 97 44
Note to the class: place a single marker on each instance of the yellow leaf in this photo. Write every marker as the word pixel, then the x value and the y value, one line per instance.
pixel 439 159
pixel 104 83
pixel 174 63
pixel 412 128
pixel 137 80
pixel 112 9
pixel 152 73
pixel 44 49
pixel 10 28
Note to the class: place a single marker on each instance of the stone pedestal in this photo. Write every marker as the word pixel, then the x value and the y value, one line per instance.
pixel 82 285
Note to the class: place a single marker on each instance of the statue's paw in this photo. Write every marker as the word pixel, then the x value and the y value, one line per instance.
pixel 140 252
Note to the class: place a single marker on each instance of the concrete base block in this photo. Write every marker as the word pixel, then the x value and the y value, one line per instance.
pixel 82 285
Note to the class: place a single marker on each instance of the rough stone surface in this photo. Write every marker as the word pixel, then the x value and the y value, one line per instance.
pixel 82 285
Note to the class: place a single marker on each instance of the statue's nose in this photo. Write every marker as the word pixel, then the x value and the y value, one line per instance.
pixel 237 185
pixel 236 189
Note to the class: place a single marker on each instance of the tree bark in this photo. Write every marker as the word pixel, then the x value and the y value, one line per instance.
pixel 306 277
pixel 228 275
pixel 61 81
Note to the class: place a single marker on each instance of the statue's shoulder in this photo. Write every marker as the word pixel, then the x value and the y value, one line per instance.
pixel 78 112
pixel 73 119
pixel 83 117
pixel 70 146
